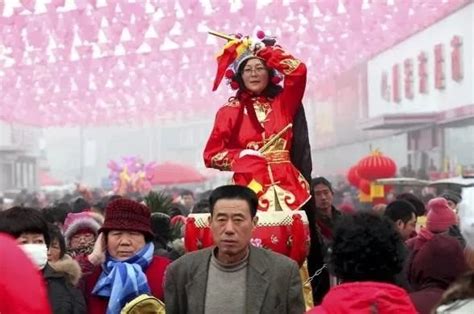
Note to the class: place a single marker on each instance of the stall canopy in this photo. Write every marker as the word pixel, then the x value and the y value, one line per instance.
pixel 169 173
pixel 90 62
pixel 45 179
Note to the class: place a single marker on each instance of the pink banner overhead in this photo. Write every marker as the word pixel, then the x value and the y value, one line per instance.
pixel 117 61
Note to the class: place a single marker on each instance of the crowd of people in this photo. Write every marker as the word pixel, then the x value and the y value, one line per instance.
pixel 90 253
pixel 408 257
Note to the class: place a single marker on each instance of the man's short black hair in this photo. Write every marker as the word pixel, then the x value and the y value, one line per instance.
pixel 366 247
pixel 80 205
pixel 54 214
pixel 186 192
pixel 235 192
pixel 415 201
pixel 202 206
pixel 18 220
pixel 322 180
pixel 452 196
pixel 400 210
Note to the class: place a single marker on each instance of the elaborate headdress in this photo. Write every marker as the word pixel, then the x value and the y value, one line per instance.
pixel 237 50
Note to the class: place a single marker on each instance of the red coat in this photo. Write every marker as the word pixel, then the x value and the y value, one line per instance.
pixel 22 289
pixel 233 133
pixel 365 297
pixel 154 274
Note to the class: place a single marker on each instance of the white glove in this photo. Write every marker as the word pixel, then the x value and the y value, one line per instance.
pixel 250 152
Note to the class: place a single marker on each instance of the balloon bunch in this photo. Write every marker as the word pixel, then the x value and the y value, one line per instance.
pixel 131 175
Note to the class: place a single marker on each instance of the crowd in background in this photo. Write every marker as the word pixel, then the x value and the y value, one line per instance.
pixel 416 248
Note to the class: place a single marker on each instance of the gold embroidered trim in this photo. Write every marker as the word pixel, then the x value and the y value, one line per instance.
pixel 291 65
pixel 221 161
pixel 233 103
pixel 277 156
pixel 278 145
pixel 254 145
pixel 262 109
pixel 277 199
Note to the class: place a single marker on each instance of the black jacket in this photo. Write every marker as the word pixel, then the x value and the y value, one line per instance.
pixel 63 296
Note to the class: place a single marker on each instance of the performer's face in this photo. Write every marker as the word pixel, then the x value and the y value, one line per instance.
pixel 255 76
pixel 232 225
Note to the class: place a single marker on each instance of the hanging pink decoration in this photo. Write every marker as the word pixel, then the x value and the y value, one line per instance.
pixel 57 3
pixel 117 61
pixel 28 4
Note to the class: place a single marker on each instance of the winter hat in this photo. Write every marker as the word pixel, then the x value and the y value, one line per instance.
pixel 440 217
pixel 125 214
pixel 411 198
pixel 75 222
pixel 452 196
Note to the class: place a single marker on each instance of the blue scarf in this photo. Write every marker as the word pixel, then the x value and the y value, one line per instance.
pixel 122 281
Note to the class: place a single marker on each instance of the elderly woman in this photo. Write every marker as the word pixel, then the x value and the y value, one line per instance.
pixel 31 232
pixel 128 268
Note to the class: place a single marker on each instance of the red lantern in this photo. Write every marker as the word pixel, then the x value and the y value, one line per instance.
pixel 364 186
pixel 376 166
pixel 353 176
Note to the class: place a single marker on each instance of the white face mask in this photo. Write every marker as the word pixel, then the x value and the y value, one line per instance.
pixel 38 253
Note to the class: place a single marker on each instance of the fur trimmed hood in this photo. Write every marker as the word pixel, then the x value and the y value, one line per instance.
pixel 68 267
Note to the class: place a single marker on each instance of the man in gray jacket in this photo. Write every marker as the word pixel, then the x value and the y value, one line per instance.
pixel 233 276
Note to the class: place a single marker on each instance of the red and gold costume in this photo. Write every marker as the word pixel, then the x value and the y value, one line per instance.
pixel 279 185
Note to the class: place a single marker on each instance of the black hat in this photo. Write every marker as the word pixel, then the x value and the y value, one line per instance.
pixel 452 196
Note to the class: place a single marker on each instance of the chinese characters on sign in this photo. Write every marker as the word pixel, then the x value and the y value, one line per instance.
pixel 406 73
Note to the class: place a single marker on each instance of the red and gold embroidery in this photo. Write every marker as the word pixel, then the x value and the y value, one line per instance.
pixel 221 161
pixel 262 109
pixel 291 65
pixel 233 103
pixel 276 198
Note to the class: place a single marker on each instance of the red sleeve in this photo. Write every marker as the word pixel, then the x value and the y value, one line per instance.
pixel 218 154
pixel 295 76
pixel 156 276
pixel 22 289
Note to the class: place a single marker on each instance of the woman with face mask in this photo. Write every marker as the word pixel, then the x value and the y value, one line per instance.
pixel 31 232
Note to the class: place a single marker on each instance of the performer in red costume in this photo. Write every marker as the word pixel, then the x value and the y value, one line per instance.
pixel 252 133
pixel 261 134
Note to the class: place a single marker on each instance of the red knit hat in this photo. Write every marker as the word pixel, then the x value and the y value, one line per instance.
pixel 125 214
pixel 440 216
